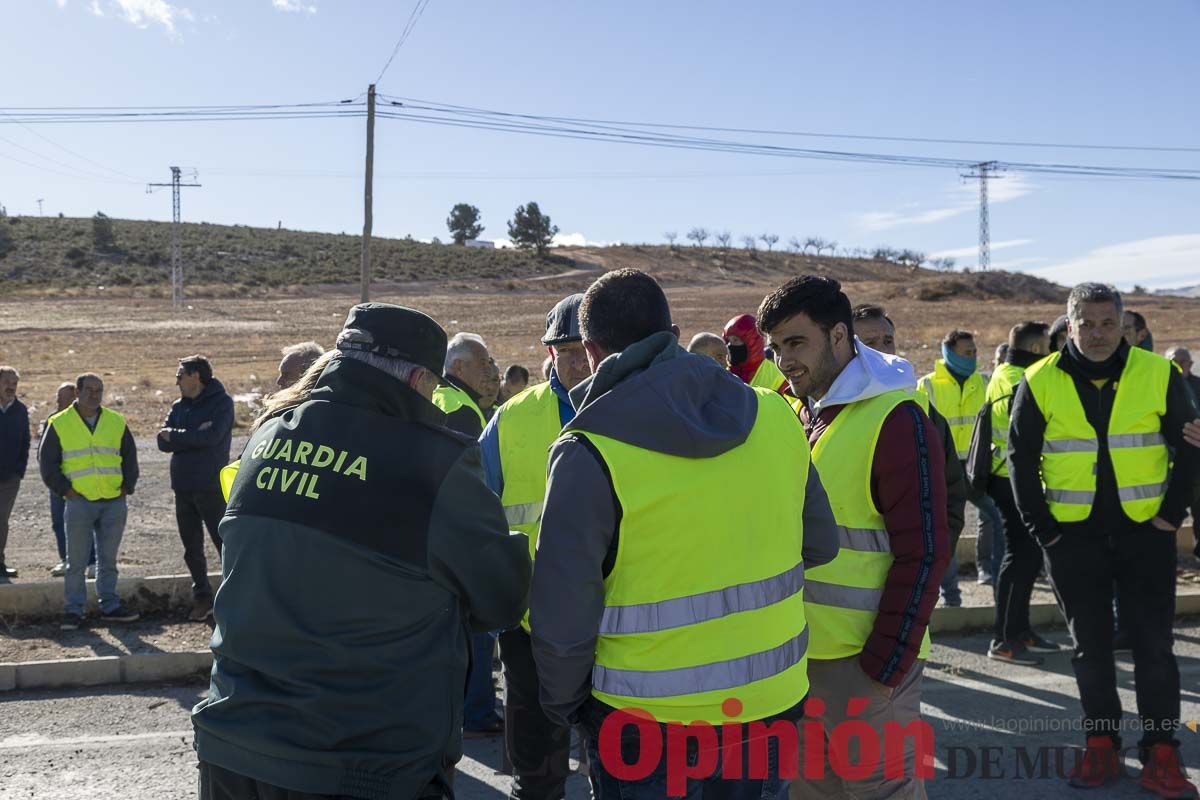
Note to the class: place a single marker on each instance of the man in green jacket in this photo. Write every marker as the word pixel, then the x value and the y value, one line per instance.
pixel 361 548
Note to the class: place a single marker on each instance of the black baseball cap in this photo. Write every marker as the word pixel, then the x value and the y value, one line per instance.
pixel 562 323
pixel 398 332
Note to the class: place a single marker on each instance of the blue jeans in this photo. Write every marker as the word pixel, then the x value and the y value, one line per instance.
pixel 950 591
pixel 989 541
pixel 606 786
pixel 480 707
pixel 57 509
pixel 102 522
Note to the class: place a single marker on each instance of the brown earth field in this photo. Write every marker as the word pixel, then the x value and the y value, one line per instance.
pixel 134 342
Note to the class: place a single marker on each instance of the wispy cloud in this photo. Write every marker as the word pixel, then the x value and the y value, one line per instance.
pixel 140 13
pixel 1155 262
pixel 294 6
pixel 963 252
pixel 964 199
pixel 561 240
pixel 96 9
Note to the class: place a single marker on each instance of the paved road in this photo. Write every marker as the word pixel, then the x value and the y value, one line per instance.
pixel 136 742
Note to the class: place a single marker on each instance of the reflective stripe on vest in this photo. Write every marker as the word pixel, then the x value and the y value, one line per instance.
pixel 1135 445
pixel 958 404
pixel 715 677
pixel 527 426
pixel 451 398
pixel 694 616
pixel 91 460
pixel 842 597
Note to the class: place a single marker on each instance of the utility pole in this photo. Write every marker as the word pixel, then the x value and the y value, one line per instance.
pixel 176 254
pixel 367 196
pixel 40 201
pixel 984 171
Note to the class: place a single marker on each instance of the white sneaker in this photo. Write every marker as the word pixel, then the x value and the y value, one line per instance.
pixel 58 570
pixel 91 571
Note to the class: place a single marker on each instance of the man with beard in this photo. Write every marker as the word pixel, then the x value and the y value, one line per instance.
pixel 869 608
pixel 516 447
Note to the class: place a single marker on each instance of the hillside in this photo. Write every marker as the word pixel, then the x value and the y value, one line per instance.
pixel 59 255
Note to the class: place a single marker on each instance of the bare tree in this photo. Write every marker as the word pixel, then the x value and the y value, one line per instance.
pixel 942 264
pixel 671 236
pixel 748 242
pixel 795 245
pixel 911 258
pixel 885 253
pixel 813 242
pixel 723 239
pixel 769 239
pixel 827 245
pixel 698 235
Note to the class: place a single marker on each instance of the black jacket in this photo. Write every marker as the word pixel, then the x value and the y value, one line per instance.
pixel 50 460
pixel 201 434
pixel 1027 429
pixel 14 441
pixel 464 419
pixel 361 546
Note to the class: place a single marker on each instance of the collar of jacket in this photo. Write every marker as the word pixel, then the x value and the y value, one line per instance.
pixel 356 384
pixel 1022 358
pixel 461 385
pixel 620 366
pixel 1075 363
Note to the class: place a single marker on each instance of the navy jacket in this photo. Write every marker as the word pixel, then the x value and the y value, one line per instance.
pixel 14 441
pixel 201 430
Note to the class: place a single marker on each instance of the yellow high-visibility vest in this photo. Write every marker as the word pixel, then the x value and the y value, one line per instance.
pixel 91 460
pixel 705 601
pixel 451 398
pixel 958 404
pixel 1071 446
pixel 842 597
pixel 527 426
pixel 768 376
pixel 999 393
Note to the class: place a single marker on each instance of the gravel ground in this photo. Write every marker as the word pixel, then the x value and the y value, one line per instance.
pixel 151 634
pixel 151 544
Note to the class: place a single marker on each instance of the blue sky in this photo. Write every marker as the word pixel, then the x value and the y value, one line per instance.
pixel 1072 72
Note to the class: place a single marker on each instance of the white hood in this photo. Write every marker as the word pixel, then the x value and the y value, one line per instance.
pixel 869 374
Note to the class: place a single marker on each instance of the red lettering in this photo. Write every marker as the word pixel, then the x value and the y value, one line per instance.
pixel 894 761
pixel 788 740
pixel 678 769
pixel 612 758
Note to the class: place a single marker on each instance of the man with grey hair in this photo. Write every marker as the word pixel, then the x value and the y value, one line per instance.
pixel 1183 358
pixel 14 455
pixel 297 358
pixel 472 382
pixel 361 546
pixel 711 345
pixel 1089 458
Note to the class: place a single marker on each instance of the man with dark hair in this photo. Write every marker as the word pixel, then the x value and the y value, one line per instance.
pixel 632 594
pixel 63 398
pixel 868 609
pixel 88 456
pixel 1090 460
pixel 516 380
pixel 361 546
pixel 875 329
pixel 1014 640
pixel 999 356
pixel 14 455
pixel 197 433
pixel 956 389
pixel 515 446
pixel 1058 334
pixel 1133 328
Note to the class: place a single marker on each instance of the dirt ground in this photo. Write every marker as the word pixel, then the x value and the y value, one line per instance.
pixel 135 344
pixel 155 633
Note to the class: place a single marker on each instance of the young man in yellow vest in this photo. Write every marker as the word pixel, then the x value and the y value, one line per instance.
pixel 956 389
pixel 671 566
pixel 1090 465
pixel 875 329
pixel 88 456
pixel 1014 640
pixel 516 448
pixel 876 452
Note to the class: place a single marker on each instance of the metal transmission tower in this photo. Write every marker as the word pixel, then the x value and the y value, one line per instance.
pixel 176 255
pixel 984 171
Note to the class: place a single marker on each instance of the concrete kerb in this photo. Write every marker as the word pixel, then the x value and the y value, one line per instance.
pixel 43 599
pixel 103 670
pixel 1184 544
pixel 967 618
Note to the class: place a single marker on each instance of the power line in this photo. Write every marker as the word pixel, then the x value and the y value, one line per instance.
pixel 434 105
pixel 70 152
pixel 413 18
